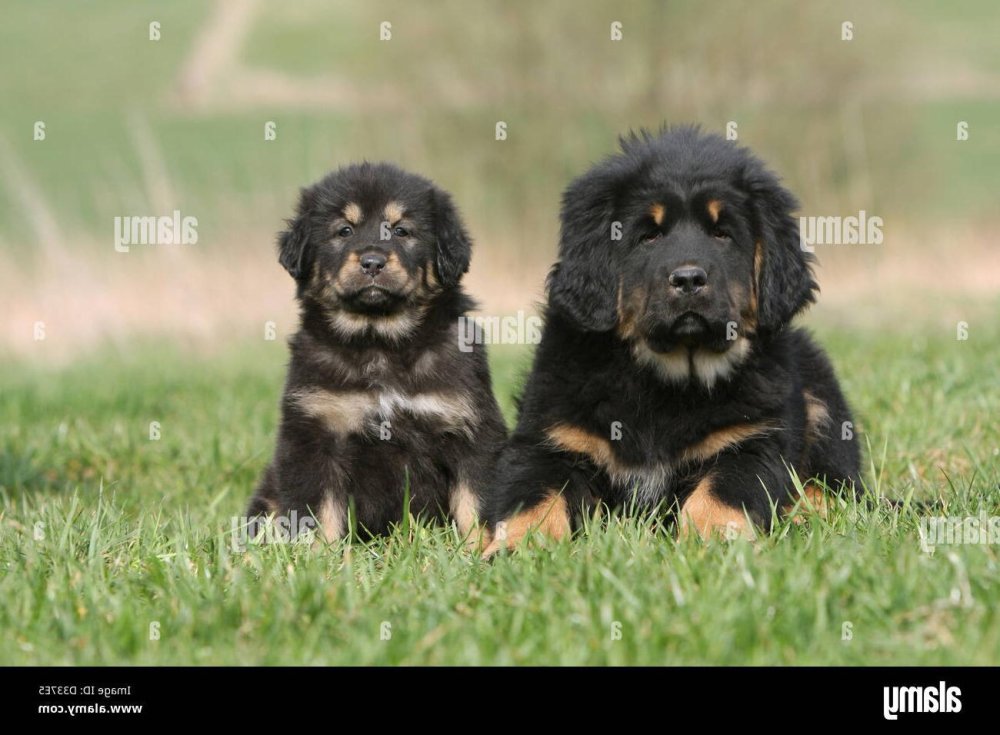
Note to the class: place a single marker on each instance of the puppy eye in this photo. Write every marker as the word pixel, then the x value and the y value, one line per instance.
pixel 400 232
pixel 650 236
pixel 345 231
pixel 721 234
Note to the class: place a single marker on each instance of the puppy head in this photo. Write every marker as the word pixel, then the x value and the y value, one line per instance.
pixel 685 244
pixel 373 246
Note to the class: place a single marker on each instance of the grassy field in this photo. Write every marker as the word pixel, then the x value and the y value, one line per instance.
pixel 116 548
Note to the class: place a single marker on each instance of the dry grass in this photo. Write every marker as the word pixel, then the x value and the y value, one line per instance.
pixel 207 296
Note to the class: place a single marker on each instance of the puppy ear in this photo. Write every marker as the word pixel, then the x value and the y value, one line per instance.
pixel 785 283
pixel 454 247
pixel 581 284
pixel 295 252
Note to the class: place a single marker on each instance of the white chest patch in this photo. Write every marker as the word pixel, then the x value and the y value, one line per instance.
pixel 646 484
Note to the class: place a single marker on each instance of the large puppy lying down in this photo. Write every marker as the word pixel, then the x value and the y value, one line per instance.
pixel 379 400
pixel 667 375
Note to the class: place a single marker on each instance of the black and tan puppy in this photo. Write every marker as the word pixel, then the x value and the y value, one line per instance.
pixel 667 375
pixel 379 399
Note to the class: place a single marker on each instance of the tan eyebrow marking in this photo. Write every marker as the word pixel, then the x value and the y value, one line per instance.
pixel 658 211
pixel 393 212
pixel 714 206
pixel 352 213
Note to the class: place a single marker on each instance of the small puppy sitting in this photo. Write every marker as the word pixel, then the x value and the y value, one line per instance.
pixel 379 401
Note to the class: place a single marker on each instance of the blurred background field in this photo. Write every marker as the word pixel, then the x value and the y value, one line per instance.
pixel 137 127
pixel 176 334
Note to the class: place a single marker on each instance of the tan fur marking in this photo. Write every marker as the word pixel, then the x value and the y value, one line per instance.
pixel 645 481
pixel 330 515
pixel 629 310
pixel 758 263
pixel 353 213
pixel 658 212
pixel 431 281
pixel 351 276
pixel 678 365
pixel 748 311
pixel 714 207
pixel 393 326
pixel 463 508
pixel 721 440
pixel 394 267
pixel 454 411
pixel 817 416
pixel 549 518
pixel 581 441
pixel 342 413
pixel 813 500
pixel 347 412
pixel 706 515
pixel 351 265
pixel 393 212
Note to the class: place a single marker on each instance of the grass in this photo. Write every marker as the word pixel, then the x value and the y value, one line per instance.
pixel 116 549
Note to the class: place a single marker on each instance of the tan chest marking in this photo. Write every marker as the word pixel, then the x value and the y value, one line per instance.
pixel 647 480
pixel 354 412
pixel 724 439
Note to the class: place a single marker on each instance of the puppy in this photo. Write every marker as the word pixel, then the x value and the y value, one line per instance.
pixel 380 405
pixel 668 376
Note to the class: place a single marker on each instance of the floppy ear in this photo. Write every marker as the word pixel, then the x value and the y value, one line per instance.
pixel 785 283
pixel 295 252
pixel 582 284
pixel 454 248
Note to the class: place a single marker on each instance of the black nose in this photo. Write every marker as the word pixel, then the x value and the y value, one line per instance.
pixel 372 263
pixel 688 279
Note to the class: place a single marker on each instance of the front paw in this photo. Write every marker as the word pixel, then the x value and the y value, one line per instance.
pixel 548 519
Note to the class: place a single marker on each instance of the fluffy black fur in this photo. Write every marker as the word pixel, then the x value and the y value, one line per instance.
pixel 379 399
pixel 649 385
